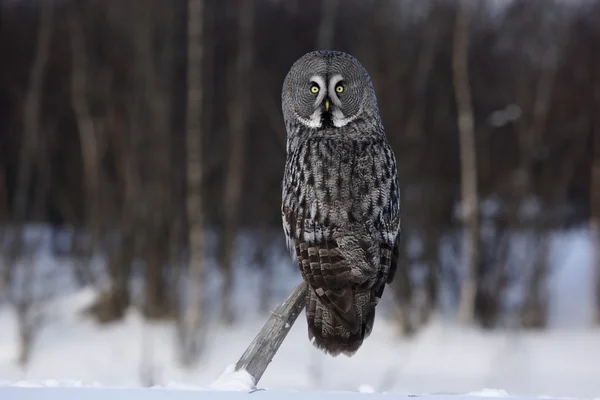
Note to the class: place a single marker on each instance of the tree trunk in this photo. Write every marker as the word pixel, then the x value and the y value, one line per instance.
pixel 157 302
pixel 595 181
pixel 23 298
pixel 240 93
pixel 431 257
pixel 32 113
pixel 427 53
pixel 154 251
pixel 595 197
pixel 151 127
pixel 3 197
pixel 261 259
pixel 112 303
pixel 535 307
pixel 90 151
pixel 470 212
pixel 190 330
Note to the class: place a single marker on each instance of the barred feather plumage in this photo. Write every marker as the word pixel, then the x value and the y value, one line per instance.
pixel 340 203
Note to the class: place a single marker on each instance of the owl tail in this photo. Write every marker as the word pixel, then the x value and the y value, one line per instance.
pixel 330 333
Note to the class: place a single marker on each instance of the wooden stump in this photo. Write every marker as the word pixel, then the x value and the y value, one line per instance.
pixel 261 351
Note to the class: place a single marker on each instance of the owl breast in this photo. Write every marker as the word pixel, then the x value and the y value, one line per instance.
pixel 341 218
pixel 341 185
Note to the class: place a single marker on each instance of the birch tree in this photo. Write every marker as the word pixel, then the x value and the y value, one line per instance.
pixel 27 307
pixel 190 330
pixel 460 67
pixel 239 111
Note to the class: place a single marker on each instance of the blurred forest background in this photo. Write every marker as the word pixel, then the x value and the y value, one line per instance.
pixel 149 134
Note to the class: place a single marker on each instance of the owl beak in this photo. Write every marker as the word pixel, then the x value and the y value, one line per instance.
pixel 327 104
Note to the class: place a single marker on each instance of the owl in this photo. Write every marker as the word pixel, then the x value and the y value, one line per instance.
pixel 340 197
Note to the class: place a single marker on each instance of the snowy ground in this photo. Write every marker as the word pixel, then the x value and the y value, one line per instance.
pixel 66 393
pixel 443 359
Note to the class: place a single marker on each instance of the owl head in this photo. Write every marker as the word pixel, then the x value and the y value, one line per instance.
pixel 328 90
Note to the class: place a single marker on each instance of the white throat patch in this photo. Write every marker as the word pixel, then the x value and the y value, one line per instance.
pixel 314 121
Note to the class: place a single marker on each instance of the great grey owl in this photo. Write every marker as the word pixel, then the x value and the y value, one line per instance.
pixel 341 200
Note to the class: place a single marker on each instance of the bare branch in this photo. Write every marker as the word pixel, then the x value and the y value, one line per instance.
pixel 261 351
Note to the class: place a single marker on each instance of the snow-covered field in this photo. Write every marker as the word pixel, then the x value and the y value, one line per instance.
pixel 443 360
pixel 66 393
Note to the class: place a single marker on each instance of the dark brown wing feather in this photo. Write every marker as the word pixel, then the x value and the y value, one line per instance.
pixel 340 311
pixel 324 268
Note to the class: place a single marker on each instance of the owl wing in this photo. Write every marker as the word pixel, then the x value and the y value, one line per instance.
pixel 389 227
pixel 388 264
pixel 323 266
pixel 394 260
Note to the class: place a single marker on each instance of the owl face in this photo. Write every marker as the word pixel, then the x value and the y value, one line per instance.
pixel 326 89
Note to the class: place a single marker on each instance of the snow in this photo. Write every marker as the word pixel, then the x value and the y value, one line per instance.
pixel 442 358
pixel 231 379
pixel 490 393
pixel 366 389
pixel 75 358
pixel 54 390
pixel 85 393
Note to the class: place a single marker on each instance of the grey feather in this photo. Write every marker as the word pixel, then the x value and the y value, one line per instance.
pixel 340 199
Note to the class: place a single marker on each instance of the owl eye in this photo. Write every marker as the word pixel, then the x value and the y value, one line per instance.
pixel 314 89
pixel 339 88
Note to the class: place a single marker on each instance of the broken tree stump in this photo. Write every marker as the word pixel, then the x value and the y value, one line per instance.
pixel 261 351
